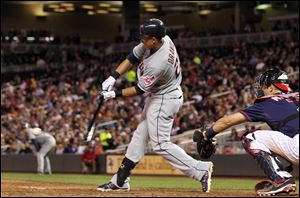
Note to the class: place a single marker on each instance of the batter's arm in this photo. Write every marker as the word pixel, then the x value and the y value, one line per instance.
pixel 124 67
pixel 130 91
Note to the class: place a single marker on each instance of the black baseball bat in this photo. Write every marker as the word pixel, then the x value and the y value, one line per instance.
pixel 92 124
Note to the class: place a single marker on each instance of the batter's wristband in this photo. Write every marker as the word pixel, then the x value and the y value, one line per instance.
pixel 115 74
pixel 210 133
pixel 118 93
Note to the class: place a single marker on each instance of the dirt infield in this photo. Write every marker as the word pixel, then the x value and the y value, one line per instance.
pixel 23 188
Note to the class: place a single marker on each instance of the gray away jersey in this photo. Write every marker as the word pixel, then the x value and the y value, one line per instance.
pixel 160 72
pixel 38 135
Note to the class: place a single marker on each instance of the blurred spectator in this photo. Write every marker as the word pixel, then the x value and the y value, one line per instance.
pixel 227 150
pixel 131 77
pixel 106 139
pixel 98 146
pixel 25 148
pixel 234 135
pixel 62 99
pixel 88 160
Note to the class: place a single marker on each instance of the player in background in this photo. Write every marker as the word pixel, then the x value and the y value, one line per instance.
pixel 279 108
pixel 159 75
pixel 42 144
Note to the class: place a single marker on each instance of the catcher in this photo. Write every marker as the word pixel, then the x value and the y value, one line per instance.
pixel 279 108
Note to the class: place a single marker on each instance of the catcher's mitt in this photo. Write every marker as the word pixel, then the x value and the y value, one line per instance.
pixel 205 148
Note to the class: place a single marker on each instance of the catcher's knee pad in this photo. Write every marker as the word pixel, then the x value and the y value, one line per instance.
pixel 265 160
pixel 124 171
pixel 247 138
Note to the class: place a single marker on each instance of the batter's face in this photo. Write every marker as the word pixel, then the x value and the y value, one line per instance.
pixel 149 42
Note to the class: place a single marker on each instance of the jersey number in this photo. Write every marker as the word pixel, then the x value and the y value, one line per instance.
pixel 177 67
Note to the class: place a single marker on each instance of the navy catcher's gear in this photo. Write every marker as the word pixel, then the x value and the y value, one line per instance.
pixel 282 163
pixel 265 162
pixel 263 158
pixel 275 77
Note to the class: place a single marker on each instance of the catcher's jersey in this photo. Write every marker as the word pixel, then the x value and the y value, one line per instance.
pixel 273 109
pixel 160 72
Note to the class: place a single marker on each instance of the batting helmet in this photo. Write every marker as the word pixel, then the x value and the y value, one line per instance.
pixel 153 27
pixel 275 77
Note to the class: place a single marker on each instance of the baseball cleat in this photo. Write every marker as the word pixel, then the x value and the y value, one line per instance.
pixel 206 179
pixel 287 186
pixel 265 184
pixel 112 187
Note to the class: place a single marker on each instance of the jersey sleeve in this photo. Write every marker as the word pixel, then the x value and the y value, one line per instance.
pixel 254 113
pixel 149 79
pixel 138 51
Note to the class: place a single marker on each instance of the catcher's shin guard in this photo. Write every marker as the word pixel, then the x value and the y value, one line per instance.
pixel 264 159
pixel 124 171
pixel 266 162
pixel 282 163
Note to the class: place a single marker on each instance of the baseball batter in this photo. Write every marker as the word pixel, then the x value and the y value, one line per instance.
pixel 43 143
pixel 159 75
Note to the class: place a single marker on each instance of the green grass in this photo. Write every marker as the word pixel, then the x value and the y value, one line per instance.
pixel 138 181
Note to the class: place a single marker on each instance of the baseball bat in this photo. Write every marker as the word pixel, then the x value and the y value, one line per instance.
pixel 92 124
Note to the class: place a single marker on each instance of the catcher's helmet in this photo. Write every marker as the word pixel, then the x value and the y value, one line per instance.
pixel 153 27
pixel 275 77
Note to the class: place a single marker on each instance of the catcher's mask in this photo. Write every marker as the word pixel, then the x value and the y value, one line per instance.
pixel 275 77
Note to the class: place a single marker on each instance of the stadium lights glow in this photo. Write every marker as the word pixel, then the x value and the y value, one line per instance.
pixel 151 9
pixel 102 11
pixel 263 6
pixel 204 12
pixel 39 11
pixel 106 5
pixel 53 6
pixel 149 5
pixel 15 38
pixel 67 4
pixel 59 10
pixel 91 13
pixel 30 38
pixel 114 9
pixel 70 8
pixel 88 7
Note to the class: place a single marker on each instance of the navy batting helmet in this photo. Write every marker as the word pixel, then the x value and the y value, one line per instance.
pixel 153 27
pixel 275 77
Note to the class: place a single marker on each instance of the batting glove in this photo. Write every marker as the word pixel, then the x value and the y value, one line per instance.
pixel 108 95
pixel 108 84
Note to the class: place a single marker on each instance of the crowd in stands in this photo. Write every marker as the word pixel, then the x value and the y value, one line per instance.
pixel 33 36
pixel 62 101
pixel 128 35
